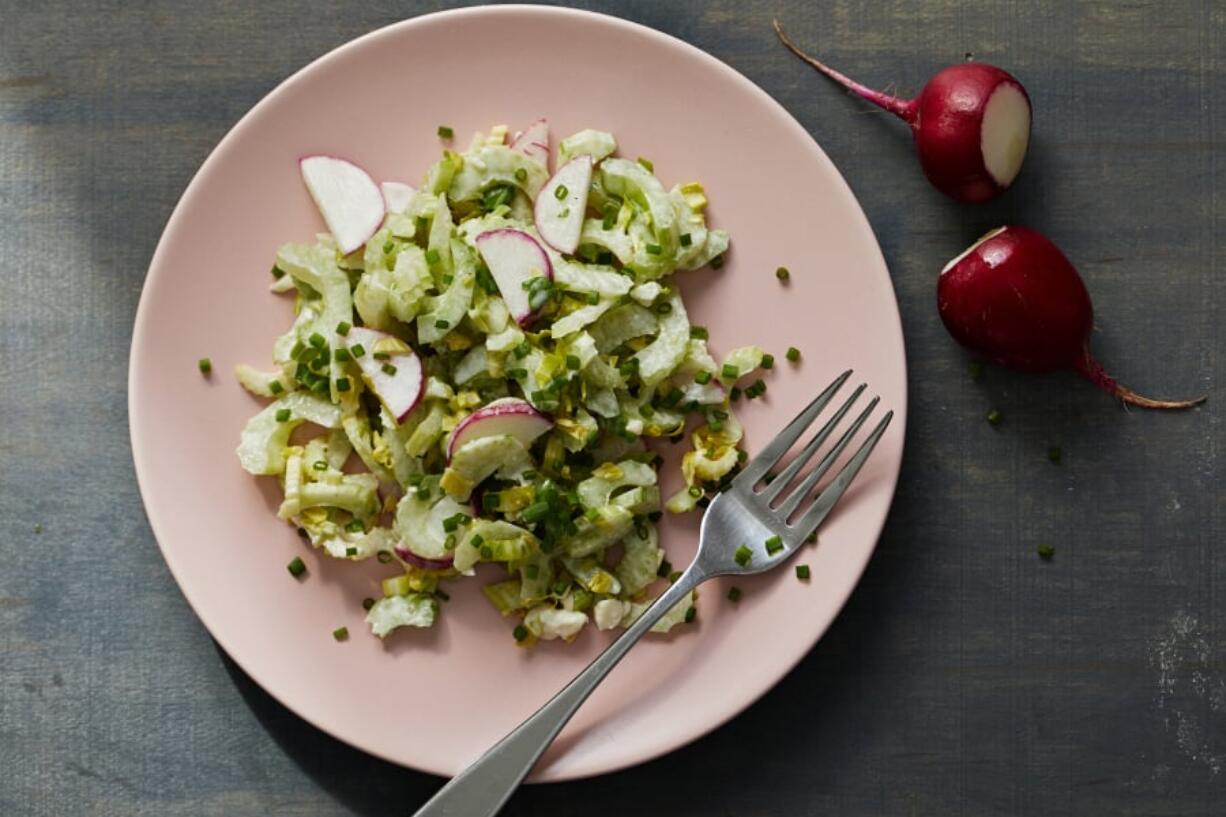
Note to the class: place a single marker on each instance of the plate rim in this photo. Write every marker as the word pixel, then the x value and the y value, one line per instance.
pixel 143 319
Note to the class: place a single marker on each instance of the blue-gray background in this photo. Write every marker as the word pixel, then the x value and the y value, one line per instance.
pixel 966 676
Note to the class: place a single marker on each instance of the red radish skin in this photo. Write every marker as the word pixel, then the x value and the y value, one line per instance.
pixel 509 415
pixel 1014 298
pixel 422 562
pixel 971 124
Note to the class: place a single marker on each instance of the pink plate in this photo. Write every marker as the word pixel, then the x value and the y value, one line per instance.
pixel 435 699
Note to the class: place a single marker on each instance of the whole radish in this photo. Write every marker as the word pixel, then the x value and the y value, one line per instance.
pixel 1014 298
pixel 971 124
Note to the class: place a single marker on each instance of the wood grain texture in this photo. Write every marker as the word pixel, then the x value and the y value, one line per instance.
pixel 966 676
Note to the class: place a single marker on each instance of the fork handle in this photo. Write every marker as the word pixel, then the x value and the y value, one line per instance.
pixel 483 788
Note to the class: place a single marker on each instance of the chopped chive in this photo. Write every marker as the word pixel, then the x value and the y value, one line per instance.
pixel 686 240
pixel 340 354
pixel 423 491
pixel 1045 552
pixel 442 595
pixel 1054 454
pixel 432 257
pixel 734 394
pixel 351 551
pixel 357 350
pixel 381 356
pixel 317 340
pixel 450 542
pixel 536 512
pixel 654 249
pixel 388 369
pixel 802 572
pixel 341 633
pixel 477 541
pixel 768 361
pixel 489 502
pixel 717 261
pixel 742 555
pixel 342 384
pixel 368 603
pixel 695 491
pixel 447 279
pixel 573 362
pixel 520 632
pixel 343 328
pixel 672 577
pixel 729 371
pixel 445 132
pixel 522 350
pixel 690 615
pixel 811 539
pixel 773 545
pixel 521 175
pixel 560 192
pixel 275 387
pixel 282 415
pixel 651 168
pixel 277 272
pixel 994 417
pixel 702 378
pixel 296 567
pixel 532 571
pixel 593 298
pixel 975 369
pixel 664 308
pixel 319 465
pixel 388 246
pixel 793 354
pixel 734 594
pixel 442 324
pixel 517 374
pixel 205 366
pixel 355 526
pixel 782 274
pixel 384 556
pixel 699 333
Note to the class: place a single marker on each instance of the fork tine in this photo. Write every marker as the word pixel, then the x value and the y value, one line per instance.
pixel 811 479
pixel 770 492
pixel 813 517
pixel 759 465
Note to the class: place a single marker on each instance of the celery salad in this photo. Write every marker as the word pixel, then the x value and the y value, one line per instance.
pixel 494 346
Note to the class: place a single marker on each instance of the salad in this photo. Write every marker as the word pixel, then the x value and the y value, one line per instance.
pixel 494 347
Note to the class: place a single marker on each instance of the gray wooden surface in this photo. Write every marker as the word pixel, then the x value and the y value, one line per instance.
pixel 966 676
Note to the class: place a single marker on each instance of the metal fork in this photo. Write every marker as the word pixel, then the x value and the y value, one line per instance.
pixel 764 521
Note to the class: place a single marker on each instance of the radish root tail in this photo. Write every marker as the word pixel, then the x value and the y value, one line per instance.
pixel 1092 370
pixel 904 109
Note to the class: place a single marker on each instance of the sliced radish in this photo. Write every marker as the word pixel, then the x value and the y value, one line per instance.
pixel 514 258
pixel 561 204
pixel 396 196
pixel 347 198
pixel 397 381
pixel 509 416
pixel 534 142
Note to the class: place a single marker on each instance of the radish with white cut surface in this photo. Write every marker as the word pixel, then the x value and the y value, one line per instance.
pixel 347 198
pixel 971 124
pixel 508 416
pixel 397 381
pixel 515 258
pixel 562 203
pixel 396 196
pixel 533 142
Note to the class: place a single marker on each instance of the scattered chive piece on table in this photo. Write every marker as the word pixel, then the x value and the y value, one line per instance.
pixel 205 365
pixel 782 274
pixel 734 594
pixel 742 555
pixel 296 568
pixel 802 572
pixel 445 132
pixel 282 415
pixel 1054 454
pixel 38 528
pixel 520 632
pixel 341 633
pixel 793 354
pixel 773 545
pixel 994 417
pixel 975 368
pixel 1045 552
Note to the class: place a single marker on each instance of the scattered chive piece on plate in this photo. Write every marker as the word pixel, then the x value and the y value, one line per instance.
pixel 734 594
pixel 205 365
pixel 341 633
pixel 520 632
pixel 994 417
pixel 782 274
pixel 793 354
pixel 296 567
pixel 773 545
pixel 1046 552
pixel 445 132
pixel 743 555
pixel 802 572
